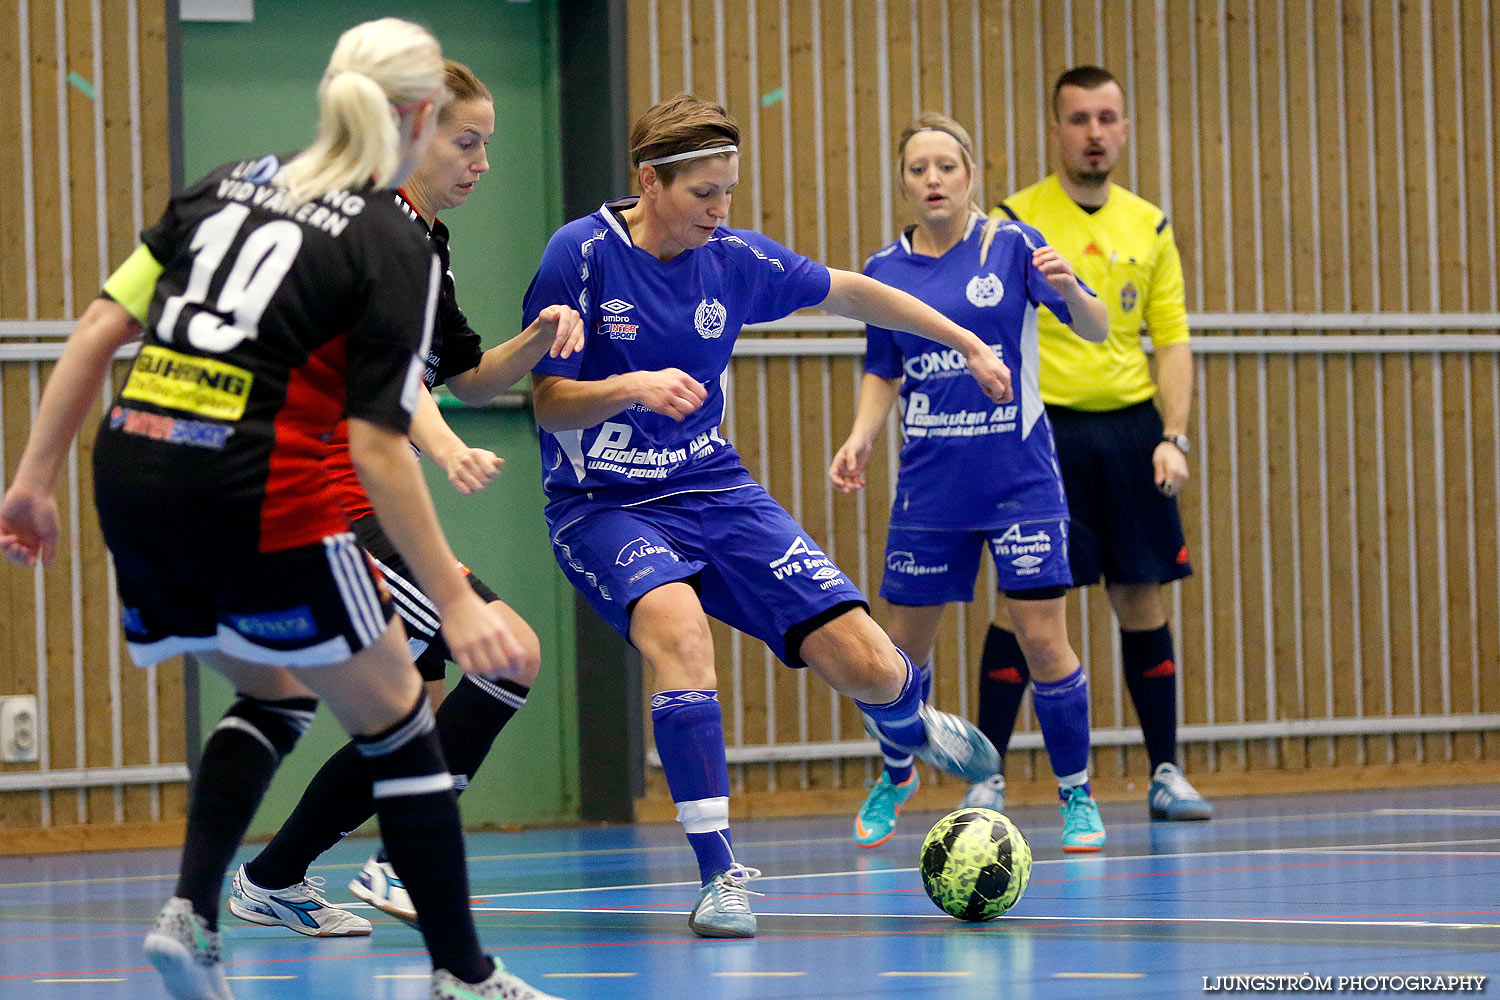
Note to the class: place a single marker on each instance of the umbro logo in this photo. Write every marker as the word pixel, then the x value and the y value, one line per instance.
pixel 616 306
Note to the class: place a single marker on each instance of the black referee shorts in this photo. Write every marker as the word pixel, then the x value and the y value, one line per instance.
pixel 1123 527
pixel 423 623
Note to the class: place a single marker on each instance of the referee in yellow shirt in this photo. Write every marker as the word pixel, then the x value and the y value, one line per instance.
pixel 1123 461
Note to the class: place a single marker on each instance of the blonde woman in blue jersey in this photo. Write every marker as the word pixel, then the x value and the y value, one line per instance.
pixel 652 515
pixel 973 474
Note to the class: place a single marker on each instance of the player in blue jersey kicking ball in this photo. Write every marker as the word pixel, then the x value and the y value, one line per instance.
pixel 974 473
pixel 651 513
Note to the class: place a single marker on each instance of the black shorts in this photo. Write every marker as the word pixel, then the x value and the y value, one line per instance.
pixel 423 623
pixel 1123 526
pixel 189 592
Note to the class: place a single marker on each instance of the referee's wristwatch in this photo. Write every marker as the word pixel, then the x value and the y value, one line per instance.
pixel 1180 440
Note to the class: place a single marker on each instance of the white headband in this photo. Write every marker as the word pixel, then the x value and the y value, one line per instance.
pixel 691 154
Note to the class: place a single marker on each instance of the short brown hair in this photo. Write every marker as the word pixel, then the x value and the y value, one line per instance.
pixel 680 124
pixel 1087 77
pixel 462 85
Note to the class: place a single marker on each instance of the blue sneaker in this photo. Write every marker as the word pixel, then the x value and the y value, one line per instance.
pixel 1173 798
pixel 1083 830
pixel 723 907
pixel 953 745
pixel 876 820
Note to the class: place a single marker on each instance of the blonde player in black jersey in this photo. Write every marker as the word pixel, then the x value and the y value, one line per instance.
pixel 273 888
pixel 1123 461
pixel 274 300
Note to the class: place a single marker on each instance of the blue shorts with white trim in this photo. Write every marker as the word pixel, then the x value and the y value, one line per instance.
pixel 754 567
pixel 926 566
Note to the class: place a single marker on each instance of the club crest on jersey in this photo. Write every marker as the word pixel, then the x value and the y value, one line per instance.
pixel 709 319
pixel 1128 297
pixel 985 290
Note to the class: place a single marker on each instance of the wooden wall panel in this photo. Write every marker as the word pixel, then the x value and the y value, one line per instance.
pixel 90 160
pixel 1312 158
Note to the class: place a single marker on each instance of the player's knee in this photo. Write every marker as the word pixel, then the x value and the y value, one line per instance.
pixel 686 654
pixel 1045 648
pixel 529 664
pixel 276 725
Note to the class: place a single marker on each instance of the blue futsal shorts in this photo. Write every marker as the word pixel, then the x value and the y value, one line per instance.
pixel 1123 526
pixel 754 567
pixel 926 566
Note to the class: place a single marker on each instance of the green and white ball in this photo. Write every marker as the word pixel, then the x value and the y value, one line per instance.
pixel 975 864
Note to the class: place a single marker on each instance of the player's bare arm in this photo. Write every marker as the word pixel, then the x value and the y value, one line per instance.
pixel 569 404
pixel 863 298
pixel 556 332
pixel 1090 315
pixel 468 469
pixel 876 396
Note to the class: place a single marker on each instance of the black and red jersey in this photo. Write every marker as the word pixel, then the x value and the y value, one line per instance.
pixel 455 348
pixel 271 323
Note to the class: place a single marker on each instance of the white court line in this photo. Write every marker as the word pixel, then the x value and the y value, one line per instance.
pixel 1437 812
pixel 1403 848
pixel 1022 918
pixel 748 846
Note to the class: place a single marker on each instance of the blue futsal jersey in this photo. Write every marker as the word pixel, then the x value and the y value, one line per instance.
pixel 968 463
pixel 645 315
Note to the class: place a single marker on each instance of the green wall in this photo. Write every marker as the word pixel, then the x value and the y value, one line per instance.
pixel 249 89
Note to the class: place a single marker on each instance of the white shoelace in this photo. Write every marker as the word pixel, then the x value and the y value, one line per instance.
pixel 731 895
pixel 312 885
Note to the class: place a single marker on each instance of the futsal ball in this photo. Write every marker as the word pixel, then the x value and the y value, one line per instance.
pixel 975 864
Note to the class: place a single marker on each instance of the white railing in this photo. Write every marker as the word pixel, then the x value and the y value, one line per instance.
pixel 1459 667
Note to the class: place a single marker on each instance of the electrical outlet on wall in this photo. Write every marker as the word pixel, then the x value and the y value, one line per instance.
pixel 18 729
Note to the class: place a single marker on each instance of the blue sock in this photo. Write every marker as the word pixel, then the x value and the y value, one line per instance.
pixel 1062 708
pixel 898 765
pixel 689 728
pixel 898 720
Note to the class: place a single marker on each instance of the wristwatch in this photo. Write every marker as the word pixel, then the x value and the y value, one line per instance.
pixel 1180 440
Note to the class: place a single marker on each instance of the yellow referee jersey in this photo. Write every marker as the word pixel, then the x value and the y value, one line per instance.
pixel 1124 252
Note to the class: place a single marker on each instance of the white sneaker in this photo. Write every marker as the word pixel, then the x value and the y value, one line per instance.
pixel 986 794
pixel 186 953
pixel 500 986
pixel 1172 796
pixel 300 907
pixel 723 907
pixel 378 884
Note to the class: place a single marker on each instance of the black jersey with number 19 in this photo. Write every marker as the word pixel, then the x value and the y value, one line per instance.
pixel 270 322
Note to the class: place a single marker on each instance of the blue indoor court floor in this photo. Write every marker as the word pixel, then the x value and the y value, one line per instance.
pixel 1354 885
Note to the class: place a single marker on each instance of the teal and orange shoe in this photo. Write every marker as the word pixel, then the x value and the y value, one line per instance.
pixel 876 820
pixel 1083 830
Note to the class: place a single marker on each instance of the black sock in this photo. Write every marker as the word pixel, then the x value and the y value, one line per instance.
pixel 1151 677
pixel 1002 684
pixel 239 760
pixel 468 721
pixel 338 799
pixel 336 802
pixel 419 822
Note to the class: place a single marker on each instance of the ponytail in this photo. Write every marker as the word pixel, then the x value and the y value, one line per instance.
pixel 376 68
